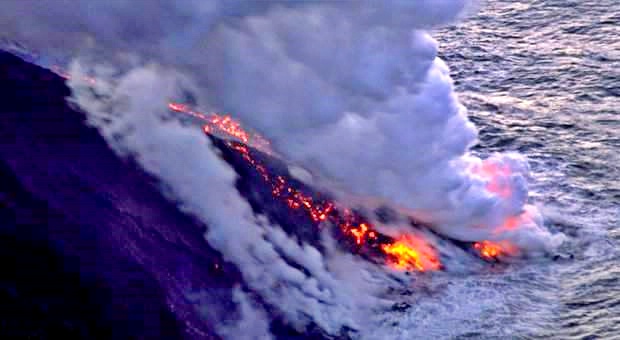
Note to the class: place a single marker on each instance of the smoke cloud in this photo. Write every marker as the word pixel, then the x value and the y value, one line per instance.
pixel 351 90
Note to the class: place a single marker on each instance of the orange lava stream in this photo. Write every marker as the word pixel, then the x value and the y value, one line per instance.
pixel 406 253
pixel 223 124
pixel 411 253
pixel 489 250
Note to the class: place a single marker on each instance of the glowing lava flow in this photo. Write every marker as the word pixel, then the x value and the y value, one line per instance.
pixel 223 124
pixel 489 250
pixel 407 252
pixel 410 253
pixel 402 253
pixel 351 225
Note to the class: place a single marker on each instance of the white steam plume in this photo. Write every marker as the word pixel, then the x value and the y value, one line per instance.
pixel 352 90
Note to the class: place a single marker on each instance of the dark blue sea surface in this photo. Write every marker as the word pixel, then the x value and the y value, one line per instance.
pixel 543 78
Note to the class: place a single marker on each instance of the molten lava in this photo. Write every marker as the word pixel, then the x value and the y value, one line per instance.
pixel 214 121
pixel 406 253
pixel 492 251
pixel 225 125
pixel 411 253
pixel 318 210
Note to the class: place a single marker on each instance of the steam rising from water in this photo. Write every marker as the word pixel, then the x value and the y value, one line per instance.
pixel 352 91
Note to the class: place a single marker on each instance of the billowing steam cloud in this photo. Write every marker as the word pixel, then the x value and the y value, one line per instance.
pixel 352 90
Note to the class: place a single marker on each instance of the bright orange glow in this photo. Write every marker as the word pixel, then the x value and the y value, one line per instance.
pixel 489 250
pixel 411 253
pixel 223 125
pixel 359 233
pixel 215 122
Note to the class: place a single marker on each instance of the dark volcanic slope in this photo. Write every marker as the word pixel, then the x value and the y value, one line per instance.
pixel 88 246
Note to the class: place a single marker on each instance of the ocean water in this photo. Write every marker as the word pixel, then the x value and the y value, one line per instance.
pixel 543 78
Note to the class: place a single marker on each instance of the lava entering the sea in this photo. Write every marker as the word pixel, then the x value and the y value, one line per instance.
pixel 490 250
pixel 411 253
pixel 407 252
